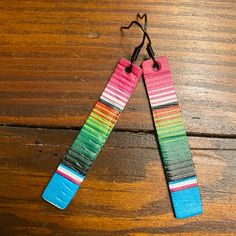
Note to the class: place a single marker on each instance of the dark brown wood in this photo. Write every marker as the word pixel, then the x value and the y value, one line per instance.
pixel 55 59
pixel 125 192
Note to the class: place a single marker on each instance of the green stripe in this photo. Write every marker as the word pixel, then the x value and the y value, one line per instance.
pixel 99 125
pixel 97 140
pixel 96 135
pixel 170 126
pixel 81 141
pixel 171 131
pixel 168 122
pixel 171 135
pixel 102 119
pixel 168 116
pixel 95 127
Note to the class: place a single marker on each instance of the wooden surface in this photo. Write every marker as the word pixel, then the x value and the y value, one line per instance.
pixel 56 57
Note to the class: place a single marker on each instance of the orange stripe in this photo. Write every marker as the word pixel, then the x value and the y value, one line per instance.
pixel 170 118
pixel 107 108
pixel 101 121
pixel 166 109
pixel 167 113
pixel 105 116
pixel 108 113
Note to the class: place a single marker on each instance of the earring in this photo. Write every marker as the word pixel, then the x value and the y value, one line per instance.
pixel 83 152
pixel 173 142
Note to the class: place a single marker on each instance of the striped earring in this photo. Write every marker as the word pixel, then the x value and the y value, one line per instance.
pixel 83 152
pixel 173 142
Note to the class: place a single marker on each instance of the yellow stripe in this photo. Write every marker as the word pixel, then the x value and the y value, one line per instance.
pixel 167 117
pixel 102 119
pixel 170 130
pixel 109 117
pixel 159 124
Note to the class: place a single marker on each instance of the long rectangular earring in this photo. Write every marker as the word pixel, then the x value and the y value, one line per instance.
pixel 173 142
pixel 81 155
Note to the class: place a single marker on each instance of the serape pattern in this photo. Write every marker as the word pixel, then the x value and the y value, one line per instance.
pixel 93 135
pixel 173 142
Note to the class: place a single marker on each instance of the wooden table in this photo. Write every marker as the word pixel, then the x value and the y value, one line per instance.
pixel 55 59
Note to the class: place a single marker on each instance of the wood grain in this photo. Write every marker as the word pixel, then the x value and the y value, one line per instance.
pixel 125 192
pixel 55 59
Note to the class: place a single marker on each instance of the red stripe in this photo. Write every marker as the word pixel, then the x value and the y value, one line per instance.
pixel 183 187
pixel 68 177
pixel 105 107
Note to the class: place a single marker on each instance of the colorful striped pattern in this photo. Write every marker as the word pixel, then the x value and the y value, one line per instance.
pixel 70 174
pixel 176 155
pixel 91 138
pixel 118 90
pixel 183 184
pixel 162 92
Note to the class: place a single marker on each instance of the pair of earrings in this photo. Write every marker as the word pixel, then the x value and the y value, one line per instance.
pixel 173 142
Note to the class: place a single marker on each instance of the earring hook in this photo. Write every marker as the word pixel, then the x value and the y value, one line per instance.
pixel 145 35
pixel 145 19
pixel 137 49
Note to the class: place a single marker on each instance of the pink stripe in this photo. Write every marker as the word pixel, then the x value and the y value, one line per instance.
pixel 121 86
pixel 161 91
pixel 123 99
pixel 130 77
pixel 164 95
pixel 113 102
pixel 114 97
pixel 68 177
pixel 183 187
pixel 122 74
pixel 136 71
pixel 158 83
pixel 159 78
pixel 165 100
pixel 159 86
pixel 123 81
pixel 161 73
pixel 116 91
